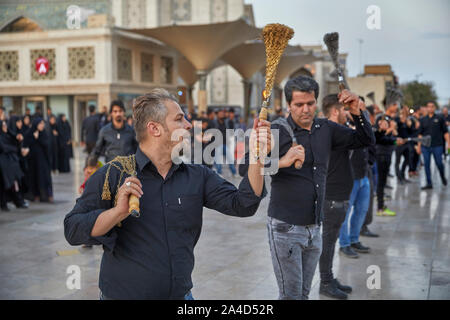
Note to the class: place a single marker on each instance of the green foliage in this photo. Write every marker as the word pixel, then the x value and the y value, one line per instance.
pixel 418 93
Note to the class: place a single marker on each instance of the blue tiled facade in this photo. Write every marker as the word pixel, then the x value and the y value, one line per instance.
pixel 49 15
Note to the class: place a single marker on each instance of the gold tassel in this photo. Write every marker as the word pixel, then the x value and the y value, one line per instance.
pixel 106 194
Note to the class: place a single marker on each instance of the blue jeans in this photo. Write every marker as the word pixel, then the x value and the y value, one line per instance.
pixel 437 155
pixel 295 252
pixel 359 200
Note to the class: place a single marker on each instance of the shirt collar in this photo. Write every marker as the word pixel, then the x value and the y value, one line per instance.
pixel 296 127
pixel 142 161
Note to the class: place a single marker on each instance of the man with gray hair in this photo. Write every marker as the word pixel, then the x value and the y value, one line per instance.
pixel 152 256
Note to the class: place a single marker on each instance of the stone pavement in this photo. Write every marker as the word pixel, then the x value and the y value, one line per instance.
pixel 232 255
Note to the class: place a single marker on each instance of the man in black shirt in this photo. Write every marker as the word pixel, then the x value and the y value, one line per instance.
pixel 386 140
pixel 435 126
pixel 152 257
pixel 90 129
pixel 297 195
pixel 405 131
pixel 338 188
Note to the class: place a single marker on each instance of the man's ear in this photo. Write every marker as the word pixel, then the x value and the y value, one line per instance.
pixel 154 129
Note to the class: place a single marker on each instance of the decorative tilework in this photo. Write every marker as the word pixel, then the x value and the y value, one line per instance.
pixel 172 11
pixel 164 12
pixel 219 84
pixel 166 72
pixel 49 14
pixel 146 67
pixel 218 9
pixel 9 66
pixel 81 62
pixel 181 10
pixel 50 55
pixel 134 13
pixel 124 64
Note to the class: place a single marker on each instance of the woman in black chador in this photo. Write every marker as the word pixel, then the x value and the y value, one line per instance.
pixel 64 144
pixel 10 172
pixel 54 142
pixel 39 161
pixel 17 128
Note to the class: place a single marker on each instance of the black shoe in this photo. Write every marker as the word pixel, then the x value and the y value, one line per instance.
pixel 367 233
pixel 401 182
pixel 343 288
pixel 349 252
pixel 331 290
pixel 427 187
pixel 388 186
pixel 358 247
pixel 444 181
pixel 407 180
pixel 390 175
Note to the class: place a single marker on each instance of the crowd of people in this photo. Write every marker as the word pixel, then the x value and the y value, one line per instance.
pixel 31 148
pixel 344 152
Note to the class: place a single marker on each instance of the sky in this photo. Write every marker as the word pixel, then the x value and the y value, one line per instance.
pixel 414 35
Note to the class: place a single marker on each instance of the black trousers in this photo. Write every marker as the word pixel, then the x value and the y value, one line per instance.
pixel 400 151
pixel 333 216
pixel 414 159
pixel 383 163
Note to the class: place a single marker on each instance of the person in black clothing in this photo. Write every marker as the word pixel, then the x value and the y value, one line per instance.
pixel 297 195
pixel 365 231
pixel 37 113
pixel 64 144
pixel 415 154
pixel 338 188
pixel 386 141
pixel 10 172
pixel 435 126
pixel 116 138
pixel 18 128
pixel 152 257
pixel 54 148
pixel 26 120
pixel 104 117
pixel 405 131
pixel 90 129
pixel 37 141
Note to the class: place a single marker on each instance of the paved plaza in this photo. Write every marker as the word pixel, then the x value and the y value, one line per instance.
pixel 232 256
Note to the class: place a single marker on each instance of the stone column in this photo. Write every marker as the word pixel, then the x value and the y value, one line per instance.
pixel 202 95
pixel 247 95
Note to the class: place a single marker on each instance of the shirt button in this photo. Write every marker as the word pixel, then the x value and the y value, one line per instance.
pixel 314 168
pixel 317 185
pixel 166 204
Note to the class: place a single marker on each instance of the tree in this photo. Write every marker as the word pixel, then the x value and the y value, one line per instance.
pixel 418 93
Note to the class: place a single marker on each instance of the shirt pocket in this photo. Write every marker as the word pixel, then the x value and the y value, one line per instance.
pixel 186 211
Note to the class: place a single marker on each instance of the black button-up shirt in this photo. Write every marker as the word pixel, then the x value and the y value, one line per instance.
pixel 152 257
pixel 297 195
pixel 90 129
pixel 434 126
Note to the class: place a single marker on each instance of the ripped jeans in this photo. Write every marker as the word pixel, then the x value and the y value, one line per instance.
pixel 295 254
